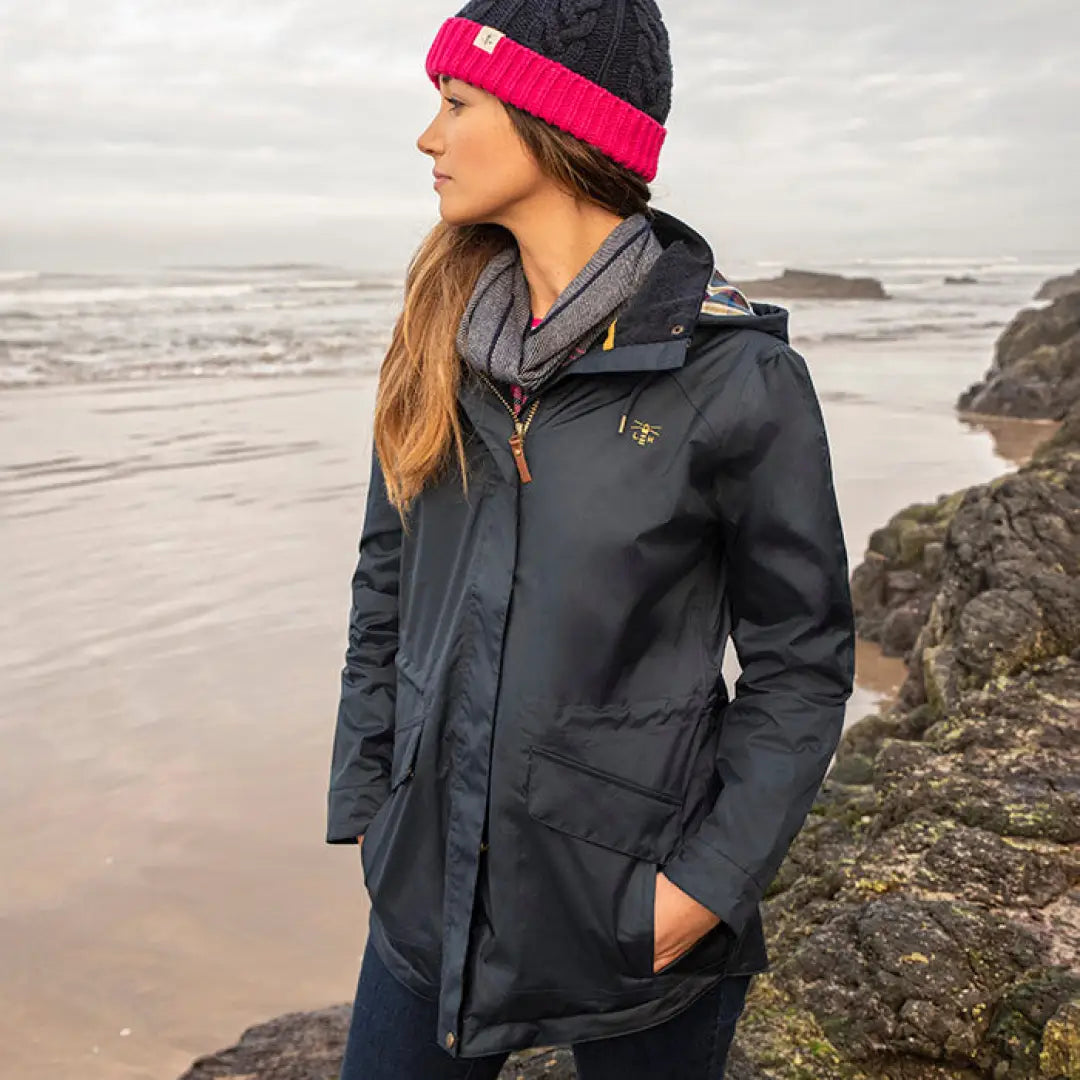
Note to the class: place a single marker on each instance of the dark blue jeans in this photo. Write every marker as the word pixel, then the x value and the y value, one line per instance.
pixel 392 1037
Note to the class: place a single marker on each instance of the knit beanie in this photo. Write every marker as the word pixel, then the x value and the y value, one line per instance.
pixel 599 69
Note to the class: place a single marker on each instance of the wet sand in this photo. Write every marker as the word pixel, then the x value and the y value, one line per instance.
pixel 172 631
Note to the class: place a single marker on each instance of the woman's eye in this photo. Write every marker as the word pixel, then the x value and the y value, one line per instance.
pixel 454 104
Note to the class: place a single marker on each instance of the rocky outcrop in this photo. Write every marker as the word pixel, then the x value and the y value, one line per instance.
pixel 893 586
pixel 310 1046
pixel 294 1046
pixel 811 285
pixel 926 922
pixel 1036 368
pixel 1010 585
pixel 1058 287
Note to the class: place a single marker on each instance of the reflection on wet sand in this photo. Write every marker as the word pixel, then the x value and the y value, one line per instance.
pixel 1014 440
pixel 877 672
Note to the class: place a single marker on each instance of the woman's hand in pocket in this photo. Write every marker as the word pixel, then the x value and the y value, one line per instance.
pixel 678 922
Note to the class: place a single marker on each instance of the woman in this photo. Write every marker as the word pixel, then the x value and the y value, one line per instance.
pixel 593 461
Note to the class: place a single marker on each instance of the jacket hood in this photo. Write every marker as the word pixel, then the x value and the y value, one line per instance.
pixel 684 293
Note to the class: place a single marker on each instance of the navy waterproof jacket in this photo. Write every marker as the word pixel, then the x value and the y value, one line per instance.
pixel 533 721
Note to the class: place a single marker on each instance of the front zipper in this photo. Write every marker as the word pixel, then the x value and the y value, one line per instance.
pixel 517 440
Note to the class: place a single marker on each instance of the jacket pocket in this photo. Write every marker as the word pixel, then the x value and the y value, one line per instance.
pixel 409 703
pixel 406 745
pixel 410 710
pixel 596 873
pixel 592 804
pixel 710 952
pixel 409 725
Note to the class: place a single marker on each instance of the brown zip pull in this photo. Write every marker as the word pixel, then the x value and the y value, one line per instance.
pixel 517 445
pixel 517 440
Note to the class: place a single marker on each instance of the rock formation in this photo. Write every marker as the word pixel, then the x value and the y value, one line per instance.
pixel 811 285
pixel 926 922
pixel 310 1046
pixel 1036 368
pixel 892 588
pixel 1058 287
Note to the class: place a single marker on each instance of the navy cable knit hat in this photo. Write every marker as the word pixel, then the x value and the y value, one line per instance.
pixel 600 69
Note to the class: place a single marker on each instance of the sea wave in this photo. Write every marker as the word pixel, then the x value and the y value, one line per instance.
pixel 901 332
pixel 290 319
pixel 18 275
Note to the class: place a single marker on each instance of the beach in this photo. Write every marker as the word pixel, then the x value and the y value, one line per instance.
pixel 179 546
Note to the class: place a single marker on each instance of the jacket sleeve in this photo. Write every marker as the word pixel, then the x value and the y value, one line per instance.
pixel 793 628
pixel 364 737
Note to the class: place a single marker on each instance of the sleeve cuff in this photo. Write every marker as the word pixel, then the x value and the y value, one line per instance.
pixel 712 879
pixel 349 812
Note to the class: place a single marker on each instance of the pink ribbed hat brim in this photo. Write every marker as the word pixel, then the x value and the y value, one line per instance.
pixel 520 76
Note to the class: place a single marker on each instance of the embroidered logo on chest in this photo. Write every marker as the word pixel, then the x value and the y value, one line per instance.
pixel 643 433
pixel 488 38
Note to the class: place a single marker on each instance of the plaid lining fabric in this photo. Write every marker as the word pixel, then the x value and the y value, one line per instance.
pixel 722 298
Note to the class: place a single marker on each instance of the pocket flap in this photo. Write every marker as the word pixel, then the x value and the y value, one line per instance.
pixel 598 806
pixel 406 744
pixel 410 711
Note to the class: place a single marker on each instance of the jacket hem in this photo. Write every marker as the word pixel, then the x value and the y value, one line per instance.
pixel 567 1030
pixel 563 1030
pixel 349 812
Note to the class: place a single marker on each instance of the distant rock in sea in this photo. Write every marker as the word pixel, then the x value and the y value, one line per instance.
pixel 962 279
pixel 1058 287
pixel 1035 373
pixel 812 285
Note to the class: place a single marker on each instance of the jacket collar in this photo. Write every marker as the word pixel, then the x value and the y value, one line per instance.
pixel 652 333
pixel 667 304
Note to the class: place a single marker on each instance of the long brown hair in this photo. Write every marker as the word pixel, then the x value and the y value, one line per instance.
pixel 416 418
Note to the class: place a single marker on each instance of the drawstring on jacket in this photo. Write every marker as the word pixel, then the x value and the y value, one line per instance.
pixel 636 393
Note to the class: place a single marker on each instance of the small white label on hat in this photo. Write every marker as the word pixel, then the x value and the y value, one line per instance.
pixel 488 38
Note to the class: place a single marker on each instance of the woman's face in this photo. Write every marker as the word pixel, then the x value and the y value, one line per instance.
pixel 472 141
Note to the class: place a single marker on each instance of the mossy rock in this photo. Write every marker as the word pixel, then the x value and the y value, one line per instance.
pixel 1033 1025
pixel 787 1042
pixel 1059 1055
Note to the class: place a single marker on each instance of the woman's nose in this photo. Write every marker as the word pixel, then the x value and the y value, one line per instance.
pixel 427 142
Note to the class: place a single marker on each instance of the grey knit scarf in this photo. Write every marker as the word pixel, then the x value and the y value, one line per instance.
pixel 494 335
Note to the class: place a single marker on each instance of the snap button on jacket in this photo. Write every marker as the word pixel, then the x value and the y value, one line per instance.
pixel 533 722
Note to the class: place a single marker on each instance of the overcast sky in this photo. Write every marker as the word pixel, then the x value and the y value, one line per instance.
pixel 140 132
